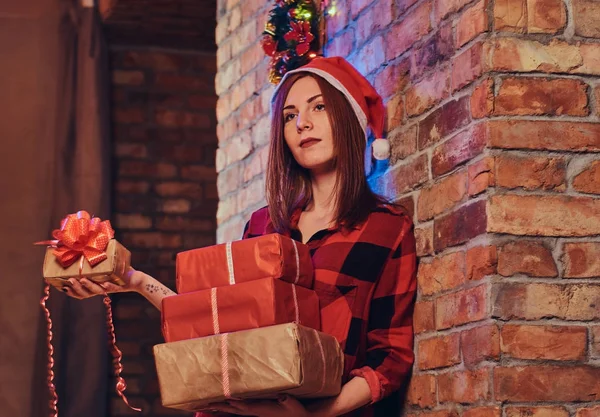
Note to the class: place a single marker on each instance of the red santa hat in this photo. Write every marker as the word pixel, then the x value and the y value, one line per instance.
pixel 365 101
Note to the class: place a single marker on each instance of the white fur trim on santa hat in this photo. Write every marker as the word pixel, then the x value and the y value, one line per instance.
pixel 381 149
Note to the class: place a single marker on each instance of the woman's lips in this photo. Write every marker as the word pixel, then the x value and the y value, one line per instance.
pixel 308 142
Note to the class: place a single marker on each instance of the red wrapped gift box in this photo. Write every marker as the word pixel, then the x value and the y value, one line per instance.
pixel 244 306
pixel 268 256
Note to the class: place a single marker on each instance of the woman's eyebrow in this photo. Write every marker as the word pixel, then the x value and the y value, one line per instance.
pixel 310 100
pixel 313 98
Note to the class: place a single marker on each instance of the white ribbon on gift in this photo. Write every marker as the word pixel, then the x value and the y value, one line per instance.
pixel 224 349
pixel 322 351
pixel 231 273
pixel 215 315
pixel 229 255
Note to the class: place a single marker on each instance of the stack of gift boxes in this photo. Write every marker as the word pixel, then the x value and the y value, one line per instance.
pixel 245 324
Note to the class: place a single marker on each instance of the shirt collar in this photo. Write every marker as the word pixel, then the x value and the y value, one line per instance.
pixel 295 218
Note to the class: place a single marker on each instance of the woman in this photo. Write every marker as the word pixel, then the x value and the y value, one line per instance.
pixel 363 249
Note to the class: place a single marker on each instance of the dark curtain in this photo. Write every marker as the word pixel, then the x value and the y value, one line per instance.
pixel 53 161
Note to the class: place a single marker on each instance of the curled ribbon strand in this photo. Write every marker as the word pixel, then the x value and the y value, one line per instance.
pixel 117 354
pixel 50 378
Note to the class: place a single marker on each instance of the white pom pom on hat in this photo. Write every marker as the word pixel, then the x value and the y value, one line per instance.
pixel 365 101
pixel 381 149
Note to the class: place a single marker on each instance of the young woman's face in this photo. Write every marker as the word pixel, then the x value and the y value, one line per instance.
pixel 307 130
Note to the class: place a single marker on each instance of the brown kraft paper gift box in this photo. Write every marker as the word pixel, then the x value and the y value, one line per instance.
pixel 111 269
pixel 257 363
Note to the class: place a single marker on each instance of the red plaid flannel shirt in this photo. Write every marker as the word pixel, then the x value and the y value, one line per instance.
pixel 366 282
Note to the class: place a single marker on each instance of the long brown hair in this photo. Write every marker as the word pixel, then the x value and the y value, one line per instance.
pixel 288 184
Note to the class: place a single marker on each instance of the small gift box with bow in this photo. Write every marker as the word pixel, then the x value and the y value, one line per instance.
pixel 257 363
pixel 84 246
pixel 268 256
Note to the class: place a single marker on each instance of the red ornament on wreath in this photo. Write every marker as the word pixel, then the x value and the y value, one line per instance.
pixel 269 45
pixel 301 34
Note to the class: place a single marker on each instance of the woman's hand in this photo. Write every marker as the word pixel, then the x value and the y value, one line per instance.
pixel 84 288
pixel 135 281
pixel 286 406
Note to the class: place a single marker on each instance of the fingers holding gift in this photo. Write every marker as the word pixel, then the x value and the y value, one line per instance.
pixel 76 290
pixel 292 407
pixel 109 287
pixel 284 405
pixel 243 408
pixel 222 408
pixel 83 288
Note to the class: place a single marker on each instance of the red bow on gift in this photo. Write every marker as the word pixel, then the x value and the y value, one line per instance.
pixel 81 235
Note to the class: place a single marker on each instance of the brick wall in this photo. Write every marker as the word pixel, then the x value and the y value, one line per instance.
pixel 493 117
pixel 176 24
pixel 507 211
pixel 242 113
pixel 165 195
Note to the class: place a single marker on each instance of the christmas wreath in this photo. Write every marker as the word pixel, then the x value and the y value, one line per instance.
pixel 291 36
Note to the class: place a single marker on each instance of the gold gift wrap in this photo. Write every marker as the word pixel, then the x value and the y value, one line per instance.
pixel 257 363
pixel 112 269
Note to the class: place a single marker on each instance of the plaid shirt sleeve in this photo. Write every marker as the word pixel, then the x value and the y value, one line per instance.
pixel 389 355
pixel 246 230
pixel 257 225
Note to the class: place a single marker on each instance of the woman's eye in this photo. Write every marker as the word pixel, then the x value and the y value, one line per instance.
pixel 320 107
pixel 288 117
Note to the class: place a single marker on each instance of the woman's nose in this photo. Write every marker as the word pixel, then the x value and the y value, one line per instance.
pixel 303 123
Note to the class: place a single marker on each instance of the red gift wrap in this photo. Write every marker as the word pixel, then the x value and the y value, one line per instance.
pixel 268 256
pixel 249 305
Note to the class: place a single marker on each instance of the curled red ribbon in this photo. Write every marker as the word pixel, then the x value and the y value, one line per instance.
pixel 116 353
pixel 50 378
